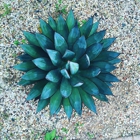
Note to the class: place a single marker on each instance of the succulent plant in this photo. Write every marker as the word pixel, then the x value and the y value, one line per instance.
pixel 68 65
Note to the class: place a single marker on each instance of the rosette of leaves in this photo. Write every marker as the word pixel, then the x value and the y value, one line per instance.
pixel 68 65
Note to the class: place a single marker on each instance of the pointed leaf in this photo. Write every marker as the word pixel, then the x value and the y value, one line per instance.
pixel 52 23
pixel 94 28
pixel 107 56
pixel 34 74
pixel 31 38
pixel 104 66
pixel 25 66
pixel 101 97
pixel 91 72
pixel 102 86
pixel 109 84
pixel 43 63
pixel 36 90
pixel 115 61
pixel 67 107
pixel 55 57
pixel 25 82
pixel 62 27
pixel 95 38
pixel 25 57
pixel 76 82
pixel 108 77
pixel 48 136
pixel 87 100
pixel 53 75
pixel 49 89
pixel 44 42
pixel 33 50
pixel 74 67
pixel 53 133
pixel 80 47
pixel 106 43
pixel 89 87
pixel 86 28
pixel 94 50
pixel 68 55
pixel 65 73
pixel 55 102
pixel 42 104
pixel 73 36
pixel 70 20
pixel 65 88
pixel 75 101
pixel 46 29
pixel 60 43
pixel 84 62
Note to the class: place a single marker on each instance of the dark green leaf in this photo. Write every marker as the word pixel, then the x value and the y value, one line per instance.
pixel 52 23
pixel 107 56
pixel 44 42
pixel 46 29
pixel 94 50
pixel 65 73
pixel 25 82
pixel 89 87
pixel 67 107
pixel 49 89
pixel 91 72
pixel 95 38
pixel 104 66
pixel 75 101
pixel 68 55
pixel 55 102
pixel 55 57
pixel 60 43
pixel 79 47
pixel 65 88
pixel 74 67
pixel 109 84
pixel 87 100
pixel 42 104
pixel 75 81
pixel 86 28
pixel 106 43
pixel 115 61
pixel 70 20
pixel 31 38
pixel 73 36
pixel 62 27
pixel 36 90
pixel 33 51
pixel 101 97
pixel 102 86
pixel 43 63
pixel 94 28
pixel 108 77
pixel 25 66
pixel 53 75
pixel 25 57
pixel 34 74
pixel 84 62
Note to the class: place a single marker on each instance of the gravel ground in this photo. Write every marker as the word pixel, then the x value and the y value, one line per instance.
pixel 18 120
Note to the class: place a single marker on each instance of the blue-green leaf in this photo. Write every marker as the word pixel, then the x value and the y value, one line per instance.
pixel 65 73
pixel 49 89
pixel 94 28
pixel 60 43
pixel 31 38
pixel 84 62
pixel 75 101
pixel 74 67
pixel 43 63
pixel 55 102
pixel 86 28
pixel 46 29
pixel 115 61
pixel 25 82
pixel 95 38
pixel 53 75
pixel 106 43
pixel 25 57
pixel 101 97
pixel 76 82
pixel 87 100
pixel 65 88
pixel 52 23
pixel 68 55
pixel 34 74
pixel 44 42
pixel 25 66
pixel 67 107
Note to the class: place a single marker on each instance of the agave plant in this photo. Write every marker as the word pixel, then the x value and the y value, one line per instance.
pixel 68 65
